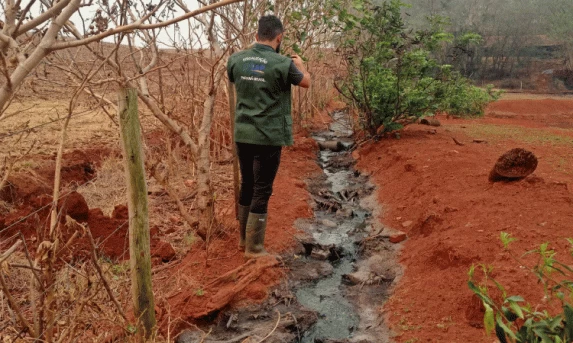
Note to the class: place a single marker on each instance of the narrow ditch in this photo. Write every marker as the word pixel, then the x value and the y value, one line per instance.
pixel 339 277
pixel 348 299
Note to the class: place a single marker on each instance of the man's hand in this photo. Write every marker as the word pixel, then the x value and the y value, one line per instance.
pixel 305 83
pixel 298 62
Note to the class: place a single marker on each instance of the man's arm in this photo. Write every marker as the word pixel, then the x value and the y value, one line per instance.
pixel 305 82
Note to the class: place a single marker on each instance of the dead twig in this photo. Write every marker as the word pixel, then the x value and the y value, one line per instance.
pixel 273 330
pixel 103 279
pixel 10 251
pixel 182 210
pixel 458 142
pixel 14 305
pixel 167 266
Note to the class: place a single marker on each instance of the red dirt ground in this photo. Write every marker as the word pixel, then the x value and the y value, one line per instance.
pixel 30 194
pixel 206 289
pixel 442 188
pixel 438 193
pixel 204 281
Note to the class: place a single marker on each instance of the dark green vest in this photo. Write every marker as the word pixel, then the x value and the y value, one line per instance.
pixel 263 112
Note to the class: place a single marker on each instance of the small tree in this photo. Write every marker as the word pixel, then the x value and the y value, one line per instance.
pixel 392 76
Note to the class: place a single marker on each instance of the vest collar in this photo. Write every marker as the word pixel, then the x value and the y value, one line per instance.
pixel 260 46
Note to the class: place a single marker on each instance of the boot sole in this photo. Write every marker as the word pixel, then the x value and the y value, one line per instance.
pixel 251 255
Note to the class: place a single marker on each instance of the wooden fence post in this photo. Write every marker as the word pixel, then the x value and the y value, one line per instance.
pixel 139 241
pixel 236 179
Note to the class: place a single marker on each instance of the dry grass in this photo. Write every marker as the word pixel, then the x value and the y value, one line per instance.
pixel 108 189
pixel 41 121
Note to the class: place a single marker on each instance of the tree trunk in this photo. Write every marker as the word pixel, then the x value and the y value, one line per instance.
pixel 139 240
pixel 205 196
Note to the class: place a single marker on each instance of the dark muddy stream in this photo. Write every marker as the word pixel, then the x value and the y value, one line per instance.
pixel 340 276
pixel 342 221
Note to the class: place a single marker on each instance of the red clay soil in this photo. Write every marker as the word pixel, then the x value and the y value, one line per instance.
pixel 30 195
pixel 438 193
pixel 211 280
pixel 207 280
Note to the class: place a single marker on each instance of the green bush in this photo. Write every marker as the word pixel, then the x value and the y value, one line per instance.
pixel 392 77
pixel 512 319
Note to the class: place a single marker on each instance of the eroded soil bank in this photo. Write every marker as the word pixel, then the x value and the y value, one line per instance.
pixel 438 193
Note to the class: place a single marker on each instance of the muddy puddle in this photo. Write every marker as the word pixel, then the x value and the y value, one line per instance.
pixel 340 277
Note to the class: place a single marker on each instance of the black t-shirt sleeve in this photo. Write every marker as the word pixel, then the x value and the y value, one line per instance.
pixel 295 76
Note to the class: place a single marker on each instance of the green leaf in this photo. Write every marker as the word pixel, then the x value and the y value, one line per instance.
pixel 296 48
pixel 543 248
pixel 516 309
pixel 471 271
pixel 296 15
pixel 358 5
pixel 488 319
pixel 506 239
pixel 507 330
pixel 554 322
pixel 500 287
pixel 543 335
pixel 515 298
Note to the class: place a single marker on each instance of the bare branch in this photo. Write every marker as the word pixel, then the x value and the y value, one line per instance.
pixel 38 55
pixel 14 305
pixel 29 25
pixel 10 251
pixel 23 15
pixel 138 25
pixel 101 276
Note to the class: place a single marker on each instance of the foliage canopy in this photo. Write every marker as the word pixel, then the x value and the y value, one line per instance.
pixel 392 76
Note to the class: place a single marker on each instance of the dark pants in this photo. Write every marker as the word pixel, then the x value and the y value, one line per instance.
pixel 259 165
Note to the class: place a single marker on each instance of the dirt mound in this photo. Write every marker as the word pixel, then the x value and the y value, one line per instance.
pixel 213 297
pixel 78 167
pixel 513 165
pixel 29 196
pixel 75 206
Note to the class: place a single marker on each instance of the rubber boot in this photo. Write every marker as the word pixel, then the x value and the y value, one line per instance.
pixel 243 215
pixel 255 237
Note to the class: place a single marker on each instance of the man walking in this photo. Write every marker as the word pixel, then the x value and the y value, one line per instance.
pixel 263 124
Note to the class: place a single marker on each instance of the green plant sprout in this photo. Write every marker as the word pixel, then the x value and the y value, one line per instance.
pixel 533 326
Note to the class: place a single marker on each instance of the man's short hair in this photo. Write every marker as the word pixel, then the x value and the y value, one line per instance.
pixel 269 27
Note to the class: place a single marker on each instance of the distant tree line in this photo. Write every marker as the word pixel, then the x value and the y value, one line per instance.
pixel 502 40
